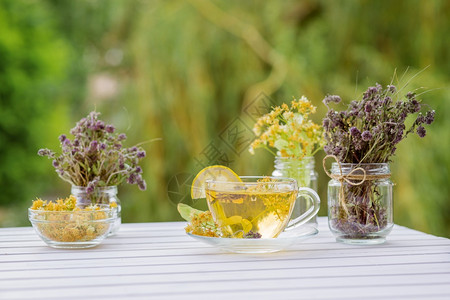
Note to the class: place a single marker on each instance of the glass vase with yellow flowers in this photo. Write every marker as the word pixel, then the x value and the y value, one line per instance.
pixel 288 133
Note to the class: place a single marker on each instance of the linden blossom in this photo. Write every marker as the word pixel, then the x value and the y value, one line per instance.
pixel 288 130
pixel 63 221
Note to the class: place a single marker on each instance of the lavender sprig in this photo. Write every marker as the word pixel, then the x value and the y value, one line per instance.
pixel 95 157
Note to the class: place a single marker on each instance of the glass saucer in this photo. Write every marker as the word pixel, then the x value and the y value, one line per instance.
pixel 283 241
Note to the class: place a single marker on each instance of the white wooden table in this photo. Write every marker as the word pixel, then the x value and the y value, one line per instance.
pixel 159 261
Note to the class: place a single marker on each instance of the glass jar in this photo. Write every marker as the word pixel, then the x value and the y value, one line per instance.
pixel 101 195
pixel 303 171
pixel 360 202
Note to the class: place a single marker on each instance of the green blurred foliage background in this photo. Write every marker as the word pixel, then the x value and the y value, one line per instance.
pixel 186 71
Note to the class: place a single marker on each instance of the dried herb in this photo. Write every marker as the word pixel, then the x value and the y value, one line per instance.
pixel 64 221
pixel 202 223
pixel 369 129
pixel 367 132
pixel 96 156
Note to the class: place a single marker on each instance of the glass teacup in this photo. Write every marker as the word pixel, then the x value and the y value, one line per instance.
pixel 258 206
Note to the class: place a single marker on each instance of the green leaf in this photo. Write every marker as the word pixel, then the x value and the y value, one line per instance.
pixel 187 212
pixel 95 170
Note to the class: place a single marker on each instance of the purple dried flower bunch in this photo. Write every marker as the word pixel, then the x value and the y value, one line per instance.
pixel 367 133
pixel 96 157
pixel 369 130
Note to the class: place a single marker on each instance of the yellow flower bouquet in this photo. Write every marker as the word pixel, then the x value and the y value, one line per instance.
pixel 289 134
pixel 289 131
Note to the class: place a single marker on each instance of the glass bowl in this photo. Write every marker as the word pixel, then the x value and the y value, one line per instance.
pixel 72 229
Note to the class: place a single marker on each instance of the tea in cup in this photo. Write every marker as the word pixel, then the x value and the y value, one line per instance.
pixel 258 206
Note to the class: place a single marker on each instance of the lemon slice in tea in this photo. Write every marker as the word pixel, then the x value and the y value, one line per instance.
pixel 220 173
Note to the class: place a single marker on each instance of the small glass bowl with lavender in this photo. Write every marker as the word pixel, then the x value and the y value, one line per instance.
pixel 63 224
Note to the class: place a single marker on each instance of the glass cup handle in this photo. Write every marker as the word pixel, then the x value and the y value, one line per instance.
pixel 312 196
